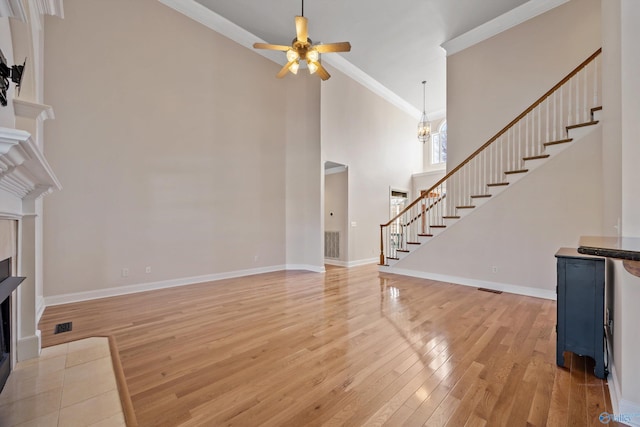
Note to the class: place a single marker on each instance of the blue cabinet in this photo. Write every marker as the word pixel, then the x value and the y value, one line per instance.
pixel 581 287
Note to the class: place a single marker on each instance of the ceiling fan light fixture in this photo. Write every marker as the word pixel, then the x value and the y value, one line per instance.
pixel 302 48
pixel 424 126
pixel 313 55
pixel 292 55
pixel 294 67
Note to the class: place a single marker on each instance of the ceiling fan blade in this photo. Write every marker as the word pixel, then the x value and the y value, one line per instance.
pixel 301 29
pixel 322 72
pixel 283 71
pixel 333 47
pixel 271 46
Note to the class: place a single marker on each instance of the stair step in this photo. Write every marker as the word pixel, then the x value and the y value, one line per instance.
pixel 402 250
pixel 393 258
pixel 560 141
pixel 516 171
pixel 477 196
pixel 414 243
pixel 451 217
pixel 541 156
pixel 594 109
pixel 497 184
pixel 581 125
pixel 425 235
pixel 438 226
pixel 465 207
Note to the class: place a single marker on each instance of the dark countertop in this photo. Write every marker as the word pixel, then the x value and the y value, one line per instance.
pixel 613 247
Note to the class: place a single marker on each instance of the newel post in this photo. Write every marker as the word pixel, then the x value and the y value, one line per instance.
pixel 381 246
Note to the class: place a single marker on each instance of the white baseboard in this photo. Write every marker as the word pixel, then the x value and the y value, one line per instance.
pixel 628 413
pixel 504 287
pixel 28 347
pixel 150 286
pixel 351 263
pixel 307 267
pixel 614 387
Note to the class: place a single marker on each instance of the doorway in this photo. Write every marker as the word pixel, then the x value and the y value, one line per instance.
pixel 336 213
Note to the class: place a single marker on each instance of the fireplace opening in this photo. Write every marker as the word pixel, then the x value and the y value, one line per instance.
pixel 8 284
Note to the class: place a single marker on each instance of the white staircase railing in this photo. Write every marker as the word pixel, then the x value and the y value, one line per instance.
pixel 570 103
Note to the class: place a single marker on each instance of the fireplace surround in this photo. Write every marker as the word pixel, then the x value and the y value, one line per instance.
pixel 8 284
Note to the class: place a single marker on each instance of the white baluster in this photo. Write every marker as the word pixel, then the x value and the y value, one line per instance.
pixel 595 81
pixel 555 113
pixel 584 97
pixel 548 102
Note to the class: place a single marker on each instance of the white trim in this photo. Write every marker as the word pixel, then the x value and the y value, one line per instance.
pixel 25 172
pixel 614 387
pixel 212 20
pixel 630 409
pixel 349 264
pixel 307 267
pixel 11 215
pixel 430 173
pixel 507 20
pixel 150 286
pixel 40 306
pixel 171 283
pixel 12 9
pixel 465 281
pixel 32 110
pixel 10 138
pixel 28 347
pixel 337 169
pixel 355 73
pixel 50 7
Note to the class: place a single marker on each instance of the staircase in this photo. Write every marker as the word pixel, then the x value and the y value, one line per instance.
pixel 559 118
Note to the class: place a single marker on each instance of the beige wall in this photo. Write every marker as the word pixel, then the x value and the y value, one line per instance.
pixel 492 82
pixel 170 142
pixel 377 142
pixel 304 174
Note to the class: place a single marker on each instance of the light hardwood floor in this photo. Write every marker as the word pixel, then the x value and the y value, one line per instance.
pixel 349 347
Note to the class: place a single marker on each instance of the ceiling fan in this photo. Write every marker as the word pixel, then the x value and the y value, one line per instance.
pixel 302 48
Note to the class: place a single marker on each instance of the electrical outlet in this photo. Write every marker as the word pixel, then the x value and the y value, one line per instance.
pixel 147 269
pixel 125 272
pixel 494 269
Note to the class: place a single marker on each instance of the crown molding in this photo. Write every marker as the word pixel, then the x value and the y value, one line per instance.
pixel 12 9
pixel 355 73
pixel 32 110
pixel 219 24
pixel 50 7
pixel 514 17
pixel 24 172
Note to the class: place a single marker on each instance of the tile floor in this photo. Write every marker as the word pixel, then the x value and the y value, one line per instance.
pixel 70 385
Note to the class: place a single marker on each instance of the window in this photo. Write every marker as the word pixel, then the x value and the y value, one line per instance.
pixel 439 145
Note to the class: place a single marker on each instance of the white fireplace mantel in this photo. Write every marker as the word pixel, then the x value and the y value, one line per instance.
pixel 24 171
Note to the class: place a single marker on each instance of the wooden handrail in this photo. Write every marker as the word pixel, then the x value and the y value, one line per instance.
pixel 499 134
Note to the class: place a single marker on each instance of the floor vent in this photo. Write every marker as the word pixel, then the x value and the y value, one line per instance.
pixel 63 327
pixel 493 291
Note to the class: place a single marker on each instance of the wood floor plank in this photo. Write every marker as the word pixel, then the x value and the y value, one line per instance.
pixel 347 347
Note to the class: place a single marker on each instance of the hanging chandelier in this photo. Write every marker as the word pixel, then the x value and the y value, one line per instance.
pixel 424 126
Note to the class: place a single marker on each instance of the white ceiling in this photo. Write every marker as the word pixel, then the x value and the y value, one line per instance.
pixel 396 43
